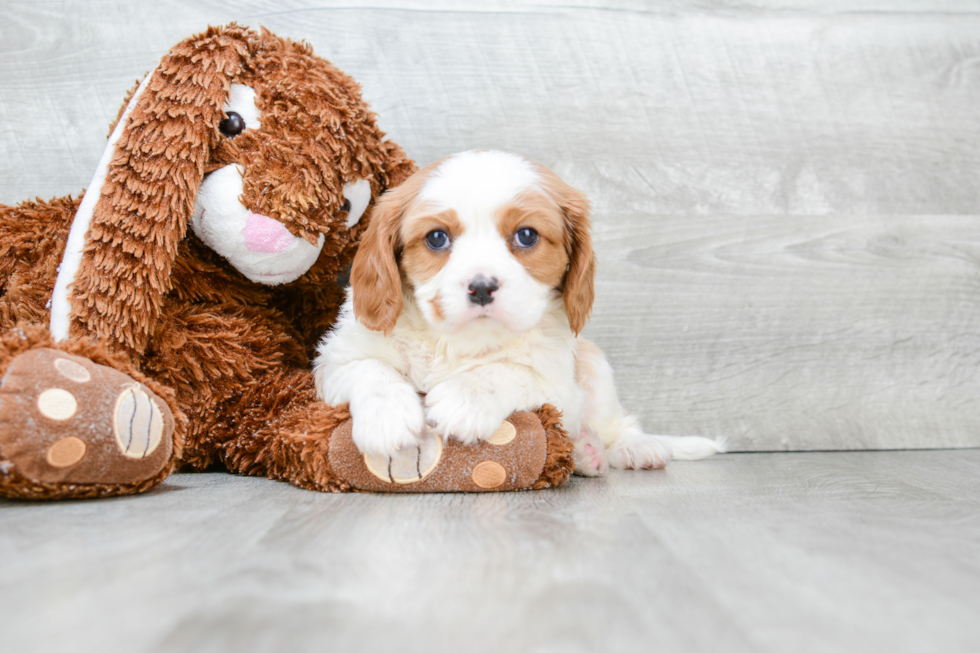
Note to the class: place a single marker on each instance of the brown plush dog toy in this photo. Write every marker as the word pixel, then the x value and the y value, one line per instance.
pixel 166 318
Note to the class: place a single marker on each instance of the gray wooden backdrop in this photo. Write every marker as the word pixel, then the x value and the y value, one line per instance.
pixel 786 191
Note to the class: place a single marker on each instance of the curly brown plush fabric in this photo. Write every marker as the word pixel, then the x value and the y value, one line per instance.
pixel 229 355
pixel 316 135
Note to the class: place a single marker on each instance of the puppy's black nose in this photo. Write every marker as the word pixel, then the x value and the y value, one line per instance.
pixel 482 289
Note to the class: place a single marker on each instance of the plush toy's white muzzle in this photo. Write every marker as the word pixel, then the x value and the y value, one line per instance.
pixel 259 247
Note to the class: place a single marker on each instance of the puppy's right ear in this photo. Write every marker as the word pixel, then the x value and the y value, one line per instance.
pixel 375 280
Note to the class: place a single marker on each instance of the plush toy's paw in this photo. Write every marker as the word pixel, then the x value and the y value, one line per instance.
pixel 389 420
pixel 528 451
pixel 590 455
pixel 639 451
pixel 70 427
pixel 461 407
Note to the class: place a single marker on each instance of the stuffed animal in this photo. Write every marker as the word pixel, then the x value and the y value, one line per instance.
pixel 166 317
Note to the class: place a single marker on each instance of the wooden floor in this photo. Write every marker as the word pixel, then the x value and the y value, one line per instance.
pixel 873 551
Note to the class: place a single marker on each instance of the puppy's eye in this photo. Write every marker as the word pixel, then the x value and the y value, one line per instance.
pixel 437 239
pixel 232 126
pixel 345 206
pixel 526 237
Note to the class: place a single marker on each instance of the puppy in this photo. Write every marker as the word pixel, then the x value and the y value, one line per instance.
pixel 471 286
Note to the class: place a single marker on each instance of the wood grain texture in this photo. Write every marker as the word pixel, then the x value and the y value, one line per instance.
pixel 829 332
pixel 870 551
pixel 785 190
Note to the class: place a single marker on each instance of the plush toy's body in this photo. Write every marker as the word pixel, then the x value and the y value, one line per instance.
pixel 167 317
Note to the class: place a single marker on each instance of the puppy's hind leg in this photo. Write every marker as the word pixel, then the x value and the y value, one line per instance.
pixel 628 447
pixel 591 458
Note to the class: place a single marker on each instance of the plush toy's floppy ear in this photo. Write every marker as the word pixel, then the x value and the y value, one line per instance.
pixel 124 239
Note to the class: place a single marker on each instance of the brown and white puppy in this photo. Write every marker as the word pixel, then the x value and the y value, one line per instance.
pixel 471 285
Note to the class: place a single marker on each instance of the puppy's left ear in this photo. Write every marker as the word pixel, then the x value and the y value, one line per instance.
pixel 579 286
pixel 375 279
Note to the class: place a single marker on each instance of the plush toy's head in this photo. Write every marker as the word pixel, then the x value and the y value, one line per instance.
pixel 267 152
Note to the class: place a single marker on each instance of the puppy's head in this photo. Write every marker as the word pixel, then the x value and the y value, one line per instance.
pixel 481 237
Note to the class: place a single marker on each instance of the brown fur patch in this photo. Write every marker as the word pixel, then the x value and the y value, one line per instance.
pixel 418 262
pixel 585 363
pixel 436 304
pixel 375 278
pixel 579 286
pixel 547 260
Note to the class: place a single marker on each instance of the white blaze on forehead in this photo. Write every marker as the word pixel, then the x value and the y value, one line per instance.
pixel 478 182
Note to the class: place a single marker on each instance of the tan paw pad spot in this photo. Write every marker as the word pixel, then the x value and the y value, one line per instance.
pixel 66 452
pixel 137 422
pixel 72 370
pixel 489 474
pixel 57 404
pixel 409 465
pixel 506 433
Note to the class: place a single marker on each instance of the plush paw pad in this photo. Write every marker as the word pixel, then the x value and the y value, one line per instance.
pixel 138 422
pixel 407 465
pixel 64 419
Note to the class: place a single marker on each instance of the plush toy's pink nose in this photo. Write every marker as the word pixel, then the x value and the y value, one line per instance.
pixel 266 235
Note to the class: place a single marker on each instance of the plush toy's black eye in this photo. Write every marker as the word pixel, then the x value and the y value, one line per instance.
pixel 437 239
pixel 233 125
pixel 526 237
pixel 345 206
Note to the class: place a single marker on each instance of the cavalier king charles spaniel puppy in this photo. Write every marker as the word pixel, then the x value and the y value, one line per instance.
pixel 466 300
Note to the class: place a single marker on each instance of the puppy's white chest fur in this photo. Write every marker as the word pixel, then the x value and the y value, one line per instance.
pixel 430 357
pixel 426 358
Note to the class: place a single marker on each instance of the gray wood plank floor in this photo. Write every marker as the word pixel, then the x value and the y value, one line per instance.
pixel 859 551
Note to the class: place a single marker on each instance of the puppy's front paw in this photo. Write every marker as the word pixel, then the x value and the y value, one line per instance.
pixel 388 419
pixel 639 452
pixel 590 455
pixel 463 408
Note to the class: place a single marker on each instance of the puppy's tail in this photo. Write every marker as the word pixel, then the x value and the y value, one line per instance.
pixel 692 447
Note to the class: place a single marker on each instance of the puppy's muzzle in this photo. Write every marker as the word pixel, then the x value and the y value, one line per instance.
pixel 481 289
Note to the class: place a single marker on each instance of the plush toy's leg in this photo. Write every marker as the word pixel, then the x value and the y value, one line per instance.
pixel 77 422
pixel 293 436
pixel 530 451
pixel 287 432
